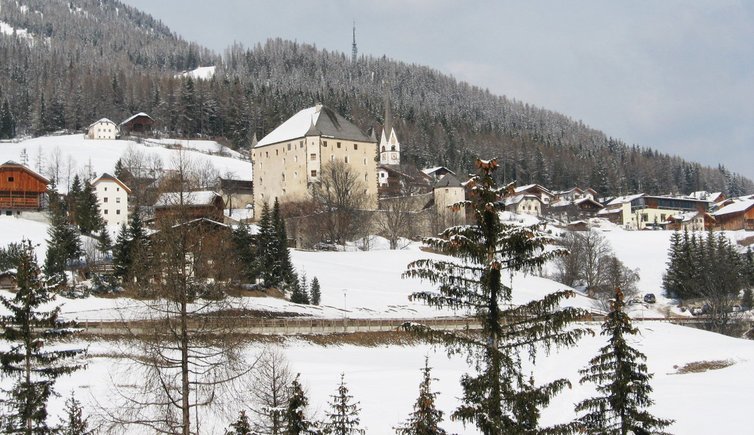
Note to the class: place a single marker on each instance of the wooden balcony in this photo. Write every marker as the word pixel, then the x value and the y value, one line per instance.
pixel 21 201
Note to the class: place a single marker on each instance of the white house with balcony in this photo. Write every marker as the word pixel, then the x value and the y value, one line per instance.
pixel 102 129
pixel 112 198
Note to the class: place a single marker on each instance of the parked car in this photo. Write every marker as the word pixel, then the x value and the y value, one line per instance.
pixel 650 298
pixel 696 311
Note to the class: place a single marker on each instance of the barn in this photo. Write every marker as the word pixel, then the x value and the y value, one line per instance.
pixel 140 123
pixel 21 188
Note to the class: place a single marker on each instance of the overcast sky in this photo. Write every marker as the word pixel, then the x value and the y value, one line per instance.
pixel 675 75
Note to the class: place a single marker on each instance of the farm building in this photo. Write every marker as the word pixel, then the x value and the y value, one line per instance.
pixel 20 188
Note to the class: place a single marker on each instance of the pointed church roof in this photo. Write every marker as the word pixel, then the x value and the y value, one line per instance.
pixel 318 121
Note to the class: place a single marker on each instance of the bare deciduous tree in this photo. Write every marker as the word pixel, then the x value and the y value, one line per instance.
pixel 270 390
pixel 341 196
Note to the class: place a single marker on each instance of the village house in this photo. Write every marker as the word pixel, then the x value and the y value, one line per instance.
pixel 112 199
pixel 642 211
pixel 736 216
pixel 291 157
pixel 21 189
pixel 567 210
pixel 545 195
pixel 689 221
pixel 102 129
pixel 575 193
pixel 8 280
pixel 185 206
pixel 524 203
pixel 437 172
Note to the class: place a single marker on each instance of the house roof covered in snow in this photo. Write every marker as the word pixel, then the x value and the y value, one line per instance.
pixel 103 120
pixel 131 118
pixel 447 180
pixel 315 121
pixel 196 199
pixel 625 199
pixel 511 200
pixel 736 207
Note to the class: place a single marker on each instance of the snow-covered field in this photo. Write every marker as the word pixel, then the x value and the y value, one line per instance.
pixel 385 379
pixel 79 154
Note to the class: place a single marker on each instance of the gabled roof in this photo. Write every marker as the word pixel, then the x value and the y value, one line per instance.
pixel 101 120
pixel 190 199
pixel 736 207
pixel 107 177
pixel 447 180
pixel 625 199
pixel 136 116
pixel 14 165
pixel 529 187
pixel 430 171
pixel 511 200
pixel 315 121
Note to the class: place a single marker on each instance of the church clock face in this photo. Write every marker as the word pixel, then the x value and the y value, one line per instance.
pixel 393 156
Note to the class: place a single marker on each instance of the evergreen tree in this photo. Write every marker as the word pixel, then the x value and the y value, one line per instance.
pixel 63 246
pixel 104 242
pixel 122 253
pixel 241 426
pixel 130 249
pixel 75 423
pixel 300 294
pixel 315 293
pixel 7 122
pixel 297 422
pixel 500 399
pixel 426 418
pixel 620 373
pixel 343 416
pixel 749 272
pixel 73 198
pixel 246 252
pixel 283 263
pixel 87 211
pixel 29 329
pixel 266 248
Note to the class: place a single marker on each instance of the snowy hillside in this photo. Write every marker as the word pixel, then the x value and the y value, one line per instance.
pixel 46 153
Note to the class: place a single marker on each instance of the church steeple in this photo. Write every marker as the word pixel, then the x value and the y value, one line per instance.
pixel 390 147
pixel 354 51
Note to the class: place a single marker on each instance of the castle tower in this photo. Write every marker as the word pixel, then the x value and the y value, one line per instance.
pixel 390 147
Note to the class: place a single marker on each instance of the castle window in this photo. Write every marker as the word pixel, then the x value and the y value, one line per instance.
pixel 277 152
pixel 314 172
pixel 365 161
pixel 267 154
pixel 283 177
pixel 324 143
pixel 312 156
pixel 301 144
pixel 338 144
pixel 355 146
pixel 365 177
pixel 295 158
pixel 289 147
pixel 346 159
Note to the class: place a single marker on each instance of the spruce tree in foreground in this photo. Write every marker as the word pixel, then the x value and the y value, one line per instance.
pixel 343 416
pixel 297 423
pixel 63 246
pixel 500 398
pixel 29 329
pixel 426 418
pixel 622 383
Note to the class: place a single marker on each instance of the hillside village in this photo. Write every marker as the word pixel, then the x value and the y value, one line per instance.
pixel 194 243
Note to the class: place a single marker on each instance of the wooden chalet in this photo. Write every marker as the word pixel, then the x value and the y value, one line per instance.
pixel 140 123
pixel 20 188
pixel 736 216
pixel 8 280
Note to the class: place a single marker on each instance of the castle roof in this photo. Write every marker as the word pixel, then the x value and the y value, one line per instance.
pixel 318 120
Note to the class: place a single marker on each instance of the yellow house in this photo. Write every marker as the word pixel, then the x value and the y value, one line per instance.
pixel 289 159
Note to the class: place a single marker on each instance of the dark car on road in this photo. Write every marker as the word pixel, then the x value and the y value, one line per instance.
pixel 650 298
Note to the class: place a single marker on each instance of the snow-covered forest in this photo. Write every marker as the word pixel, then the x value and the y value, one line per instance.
pixel 75 62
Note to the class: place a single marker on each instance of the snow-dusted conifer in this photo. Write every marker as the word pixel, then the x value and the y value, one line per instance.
pixel 620 373
pixel 343 416
pixel 29 329
pixel 297 421
pixel 240 426
pixel 315 293
pixel 426 418
pixel 500 398
pixel 74 423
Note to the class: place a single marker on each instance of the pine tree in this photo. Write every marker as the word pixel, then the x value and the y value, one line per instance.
pixel 620 373
pixel 7 122
pixel 267 248
pixel 343 416
pixel 315 293
pixel 298 423
pixel 30 329
pixel 241 426
pixel 426 418
pixel 73 198
pixel 122 253
pixel 104 242
pixel 75 423
pixel 500 398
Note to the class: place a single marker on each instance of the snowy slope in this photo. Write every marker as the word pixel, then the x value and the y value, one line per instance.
pixel 102 155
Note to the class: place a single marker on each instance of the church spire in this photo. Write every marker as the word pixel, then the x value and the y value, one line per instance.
pixel 354 51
